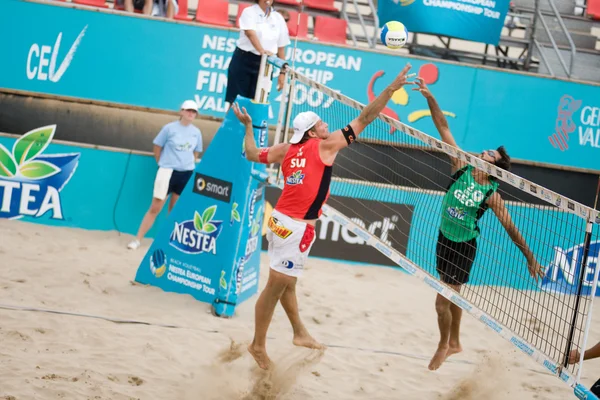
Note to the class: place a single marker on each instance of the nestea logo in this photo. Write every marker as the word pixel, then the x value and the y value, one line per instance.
pixel 198 235
pixel 30 181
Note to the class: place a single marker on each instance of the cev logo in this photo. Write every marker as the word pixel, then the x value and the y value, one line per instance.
pixel 42 68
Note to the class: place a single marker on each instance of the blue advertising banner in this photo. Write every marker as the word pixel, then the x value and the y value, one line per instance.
pixel 476 20
pixel 209 246
pixel 61 185
pixel 83 54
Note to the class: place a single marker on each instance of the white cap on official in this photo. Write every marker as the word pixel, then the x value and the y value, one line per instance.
pixel 303 122
pixel 189 105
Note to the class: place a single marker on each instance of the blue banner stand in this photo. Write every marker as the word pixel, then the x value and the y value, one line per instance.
pixel 209 245
pixel 581 392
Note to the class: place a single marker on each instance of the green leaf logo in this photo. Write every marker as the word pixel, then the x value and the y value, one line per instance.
pixel 8 167
pixel 235 214
pixel 38 169
pixel 256 223
pixel 209 228
pixel 198 223
pixel 255 228
pixel 32 143
pixel 222 281
pixel 208 214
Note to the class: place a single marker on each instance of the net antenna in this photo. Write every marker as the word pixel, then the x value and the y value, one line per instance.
pixel 405 166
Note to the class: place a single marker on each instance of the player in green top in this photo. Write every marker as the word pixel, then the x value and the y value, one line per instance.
pixel 469 195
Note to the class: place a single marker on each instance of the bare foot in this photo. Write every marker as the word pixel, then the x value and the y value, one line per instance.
pixel 453 349
pixel 305 340
pixel 438 358
pixel 260 356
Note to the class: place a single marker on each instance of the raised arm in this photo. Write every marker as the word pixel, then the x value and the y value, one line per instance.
pixel 497 205
pixel 267 155
pixel 342 138
pixel 439 120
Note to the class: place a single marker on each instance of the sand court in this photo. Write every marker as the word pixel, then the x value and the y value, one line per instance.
pixel 379 323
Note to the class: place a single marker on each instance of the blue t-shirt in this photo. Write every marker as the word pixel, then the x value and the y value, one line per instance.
pixel 178 144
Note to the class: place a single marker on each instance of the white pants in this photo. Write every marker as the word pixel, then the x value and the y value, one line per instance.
pixel 161 183
pixel 290 242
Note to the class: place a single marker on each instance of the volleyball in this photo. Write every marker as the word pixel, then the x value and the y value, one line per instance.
pixel 394 35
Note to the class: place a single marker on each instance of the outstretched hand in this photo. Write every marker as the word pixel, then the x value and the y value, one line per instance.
pixel 574 356
pixel 535 269
pixel 422 88
pixel 242 114
pixel 402 78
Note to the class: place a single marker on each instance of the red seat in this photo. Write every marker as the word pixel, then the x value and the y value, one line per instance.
pixel 241 8
pixel 213 12
pixel 92 3
pixel 325 5
pixel 298 30
pixel 182 14
pixel 122 8
pixel 331 30
pixel 290 2
pixel 593 9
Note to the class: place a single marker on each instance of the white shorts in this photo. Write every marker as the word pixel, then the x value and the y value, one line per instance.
pixel 290 242
pixel 161 183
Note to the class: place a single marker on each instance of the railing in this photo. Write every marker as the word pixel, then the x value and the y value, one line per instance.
pixel 568 69
pixel 371 41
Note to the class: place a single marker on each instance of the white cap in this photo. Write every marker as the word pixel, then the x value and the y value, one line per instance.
pixel 303 122
pixel 189 105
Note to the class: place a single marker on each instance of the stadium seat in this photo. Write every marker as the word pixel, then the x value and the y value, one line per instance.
pixel 331 30
pixel 301 31
pixel 241 8
pixel 182 14
pixel 121 7
pixel 290 2
pixel 213 12
pixel 593 9
pixel 325 5
pixel 91 3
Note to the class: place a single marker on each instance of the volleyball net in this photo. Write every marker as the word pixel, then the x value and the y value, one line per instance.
pixel 396 165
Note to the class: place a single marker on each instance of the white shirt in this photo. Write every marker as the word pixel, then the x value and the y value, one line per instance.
pixel 272 31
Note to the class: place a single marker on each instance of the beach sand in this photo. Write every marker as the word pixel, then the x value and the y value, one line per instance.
pixel 379 323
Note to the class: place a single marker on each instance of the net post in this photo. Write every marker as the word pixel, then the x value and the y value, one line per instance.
pixel 282 112
pixel 264 82
pixel 282 109
pixel 584 263
pixel 290 104
pixel 588 323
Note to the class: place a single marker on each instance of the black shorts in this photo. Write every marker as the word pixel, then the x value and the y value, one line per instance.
pixel 178 181
pixel 455 259
pixel 242 75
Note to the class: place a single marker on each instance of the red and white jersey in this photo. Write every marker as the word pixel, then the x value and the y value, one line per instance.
pixel 307 180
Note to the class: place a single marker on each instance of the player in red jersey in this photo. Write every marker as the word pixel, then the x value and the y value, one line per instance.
pixel 306 162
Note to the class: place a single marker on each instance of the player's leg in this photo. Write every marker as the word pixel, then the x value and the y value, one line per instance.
pixel 444 317
pixel 263 314
pixel 454 340
pixel 465 253
pixel 289 301
pixel 446 270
